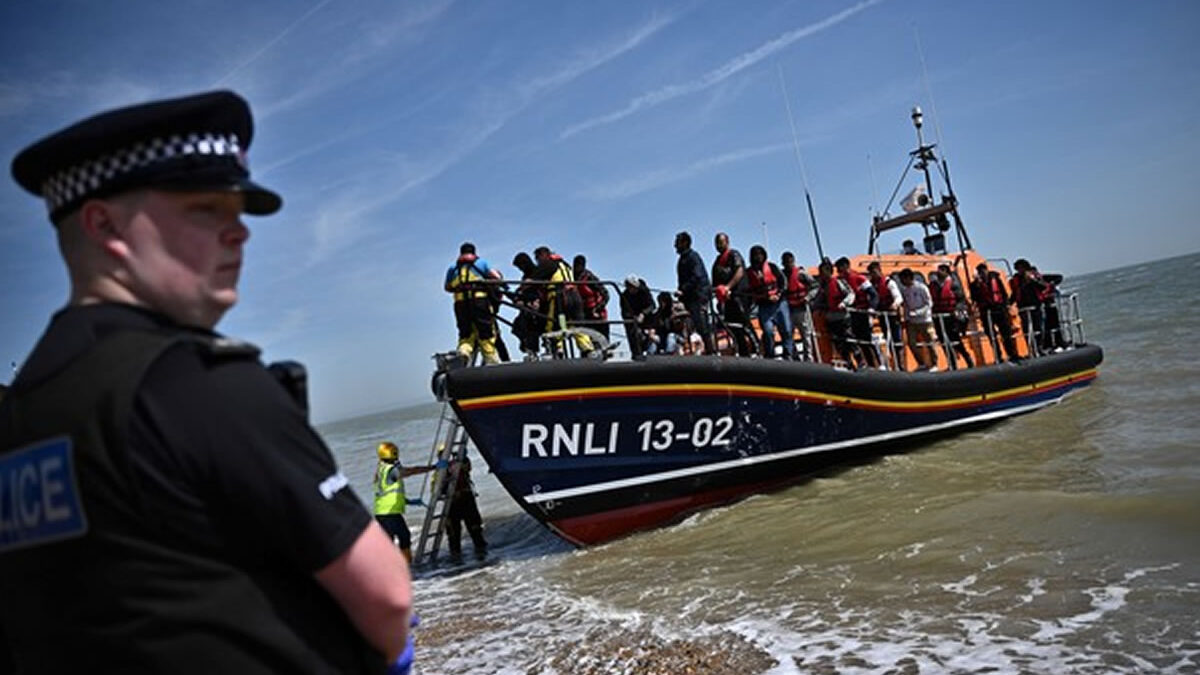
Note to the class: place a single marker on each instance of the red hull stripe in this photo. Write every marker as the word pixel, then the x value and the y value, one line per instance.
pixel 604 526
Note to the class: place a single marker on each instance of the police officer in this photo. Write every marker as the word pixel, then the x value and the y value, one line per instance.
pixel 173 510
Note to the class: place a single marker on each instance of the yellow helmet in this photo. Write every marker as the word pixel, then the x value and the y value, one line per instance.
pixel 387 451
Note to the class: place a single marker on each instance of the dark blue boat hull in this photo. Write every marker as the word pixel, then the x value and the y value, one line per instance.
pixel 598 450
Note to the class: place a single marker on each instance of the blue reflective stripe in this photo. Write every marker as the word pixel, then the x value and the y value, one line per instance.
pixel 39 496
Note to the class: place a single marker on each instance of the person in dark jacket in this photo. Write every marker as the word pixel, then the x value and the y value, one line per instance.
pixel 637 311
pixel 463 510
pixel 695 290
pixel 529 325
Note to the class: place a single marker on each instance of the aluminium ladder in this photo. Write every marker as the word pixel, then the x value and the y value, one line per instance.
pixel 449 450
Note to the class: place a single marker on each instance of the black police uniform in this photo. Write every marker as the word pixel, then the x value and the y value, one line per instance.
pixel 209 504
pixel 164 503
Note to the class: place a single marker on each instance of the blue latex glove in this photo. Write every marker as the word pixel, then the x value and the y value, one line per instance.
pixel 415 502
pixel 442 464
pixel 404 662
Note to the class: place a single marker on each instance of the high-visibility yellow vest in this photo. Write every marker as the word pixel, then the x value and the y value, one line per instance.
pixel 389 494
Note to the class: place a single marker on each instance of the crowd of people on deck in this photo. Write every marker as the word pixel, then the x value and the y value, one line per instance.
pixel 871 319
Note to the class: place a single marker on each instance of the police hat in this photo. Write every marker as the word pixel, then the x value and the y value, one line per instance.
pixel 192 143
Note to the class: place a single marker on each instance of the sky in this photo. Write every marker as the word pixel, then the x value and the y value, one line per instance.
pixel 395 131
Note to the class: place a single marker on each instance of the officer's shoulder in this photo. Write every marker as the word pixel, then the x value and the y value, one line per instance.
pixel 219 348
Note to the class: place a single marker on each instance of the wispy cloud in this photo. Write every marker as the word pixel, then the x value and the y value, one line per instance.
pixel 658 178
pixel 271 43
pixel 718 75
pixel 347 217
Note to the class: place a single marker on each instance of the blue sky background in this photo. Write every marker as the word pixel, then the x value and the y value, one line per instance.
pixel 397 130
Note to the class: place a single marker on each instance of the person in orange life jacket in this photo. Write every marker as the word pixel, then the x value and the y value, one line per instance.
pixel 865 299
pixel 1026 291
pixel 729 287
pixel 561 298
pixel 593 294
pixel 802 289
pixel 835 298
pixel 950 314
pixel 887 304
pixel 528 326
pixel 918 318
pixel 768 287
pixel 390 500
pixel 1054 338
pixel 472 304
pixel 463 510
pixel 637 311
pixel 185 517
pixel 694 289
pixel 989 295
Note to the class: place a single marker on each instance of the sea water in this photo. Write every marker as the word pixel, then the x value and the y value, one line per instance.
pixel 1064 541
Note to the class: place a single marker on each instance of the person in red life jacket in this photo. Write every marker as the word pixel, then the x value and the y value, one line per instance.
pixel 767 289
pixel 801 291
pixel 529 324
pixel 950 314
pixel 990 296
pixel 593 294
pixel 637 311
pixel 1054 340
pixel 473 311
pixel 835 297
pixel 1026 292
pixel 887 305
pixel 729 287
pixel 865 299
pixel 562 302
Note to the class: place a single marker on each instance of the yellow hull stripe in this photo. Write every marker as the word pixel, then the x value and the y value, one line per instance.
pixel 764 392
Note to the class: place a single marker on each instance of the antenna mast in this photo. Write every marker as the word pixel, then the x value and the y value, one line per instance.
pixel 812 216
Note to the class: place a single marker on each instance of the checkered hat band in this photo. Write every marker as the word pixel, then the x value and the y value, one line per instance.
pixel 81 180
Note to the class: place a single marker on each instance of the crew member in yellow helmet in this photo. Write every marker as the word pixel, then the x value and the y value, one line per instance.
pixel 389 495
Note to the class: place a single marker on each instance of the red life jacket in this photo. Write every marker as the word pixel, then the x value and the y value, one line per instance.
pixel 834 295
pixel 1045 291
pixel 797 290
pixel 944 301
pixel 593 300
pixel 764 287
pixel 885 294
pixel 994 291
pixel 856 281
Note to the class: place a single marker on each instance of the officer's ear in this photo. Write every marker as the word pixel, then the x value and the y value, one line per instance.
pixel 100 222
